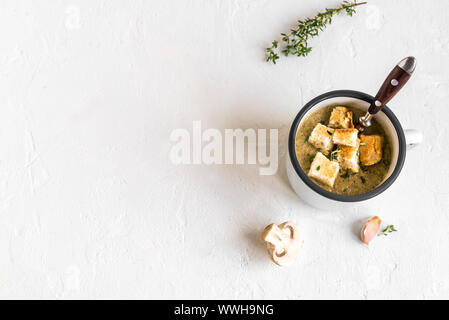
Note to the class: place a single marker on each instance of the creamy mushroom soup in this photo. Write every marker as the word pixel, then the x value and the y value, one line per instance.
pixel 352 175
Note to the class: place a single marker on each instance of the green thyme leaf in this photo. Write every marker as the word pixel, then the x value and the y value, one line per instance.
pixel 363 179
pixel 318 168
pixel 363 143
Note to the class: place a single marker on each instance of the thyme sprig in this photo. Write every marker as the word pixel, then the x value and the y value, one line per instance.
pixel 296 42
pixel 387 230
pixel 334 153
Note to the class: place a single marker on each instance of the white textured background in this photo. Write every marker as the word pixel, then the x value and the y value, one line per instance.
pixel 91 207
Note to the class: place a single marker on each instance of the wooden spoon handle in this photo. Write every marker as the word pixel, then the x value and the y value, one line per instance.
pixel 397 78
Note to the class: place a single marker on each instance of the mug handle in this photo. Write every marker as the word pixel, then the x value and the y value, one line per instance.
pixel 413 137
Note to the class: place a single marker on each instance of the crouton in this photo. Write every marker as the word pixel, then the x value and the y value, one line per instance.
pixel 345 137
pixel 321 138
pixel 348 157
pixel 341 118
pixel 324 170
pixel 370 149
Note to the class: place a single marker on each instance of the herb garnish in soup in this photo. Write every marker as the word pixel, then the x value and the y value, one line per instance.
pixel 330 151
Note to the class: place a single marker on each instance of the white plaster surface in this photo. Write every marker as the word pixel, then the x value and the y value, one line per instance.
pixel 91 207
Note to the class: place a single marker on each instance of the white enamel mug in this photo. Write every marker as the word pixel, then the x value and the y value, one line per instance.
pixel 400 139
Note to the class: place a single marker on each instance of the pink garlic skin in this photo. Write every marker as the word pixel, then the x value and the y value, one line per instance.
pixel 369 229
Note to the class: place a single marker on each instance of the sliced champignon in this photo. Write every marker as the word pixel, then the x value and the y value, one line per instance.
pixel 369 229
pixel 284 242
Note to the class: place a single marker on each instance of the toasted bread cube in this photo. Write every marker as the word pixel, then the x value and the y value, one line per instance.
pixel 324 170
pixel 345 137
pixel 370 149
pixel 341 118
pixel 321 138
pixel 348 157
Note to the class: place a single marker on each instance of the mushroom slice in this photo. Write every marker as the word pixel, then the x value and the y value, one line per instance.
pixel 284 242
pixel 369 229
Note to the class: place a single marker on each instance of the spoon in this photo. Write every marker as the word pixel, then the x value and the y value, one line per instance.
pixel 397 78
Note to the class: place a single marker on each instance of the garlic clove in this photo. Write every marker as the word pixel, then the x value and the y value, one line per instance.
pixel 369 229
